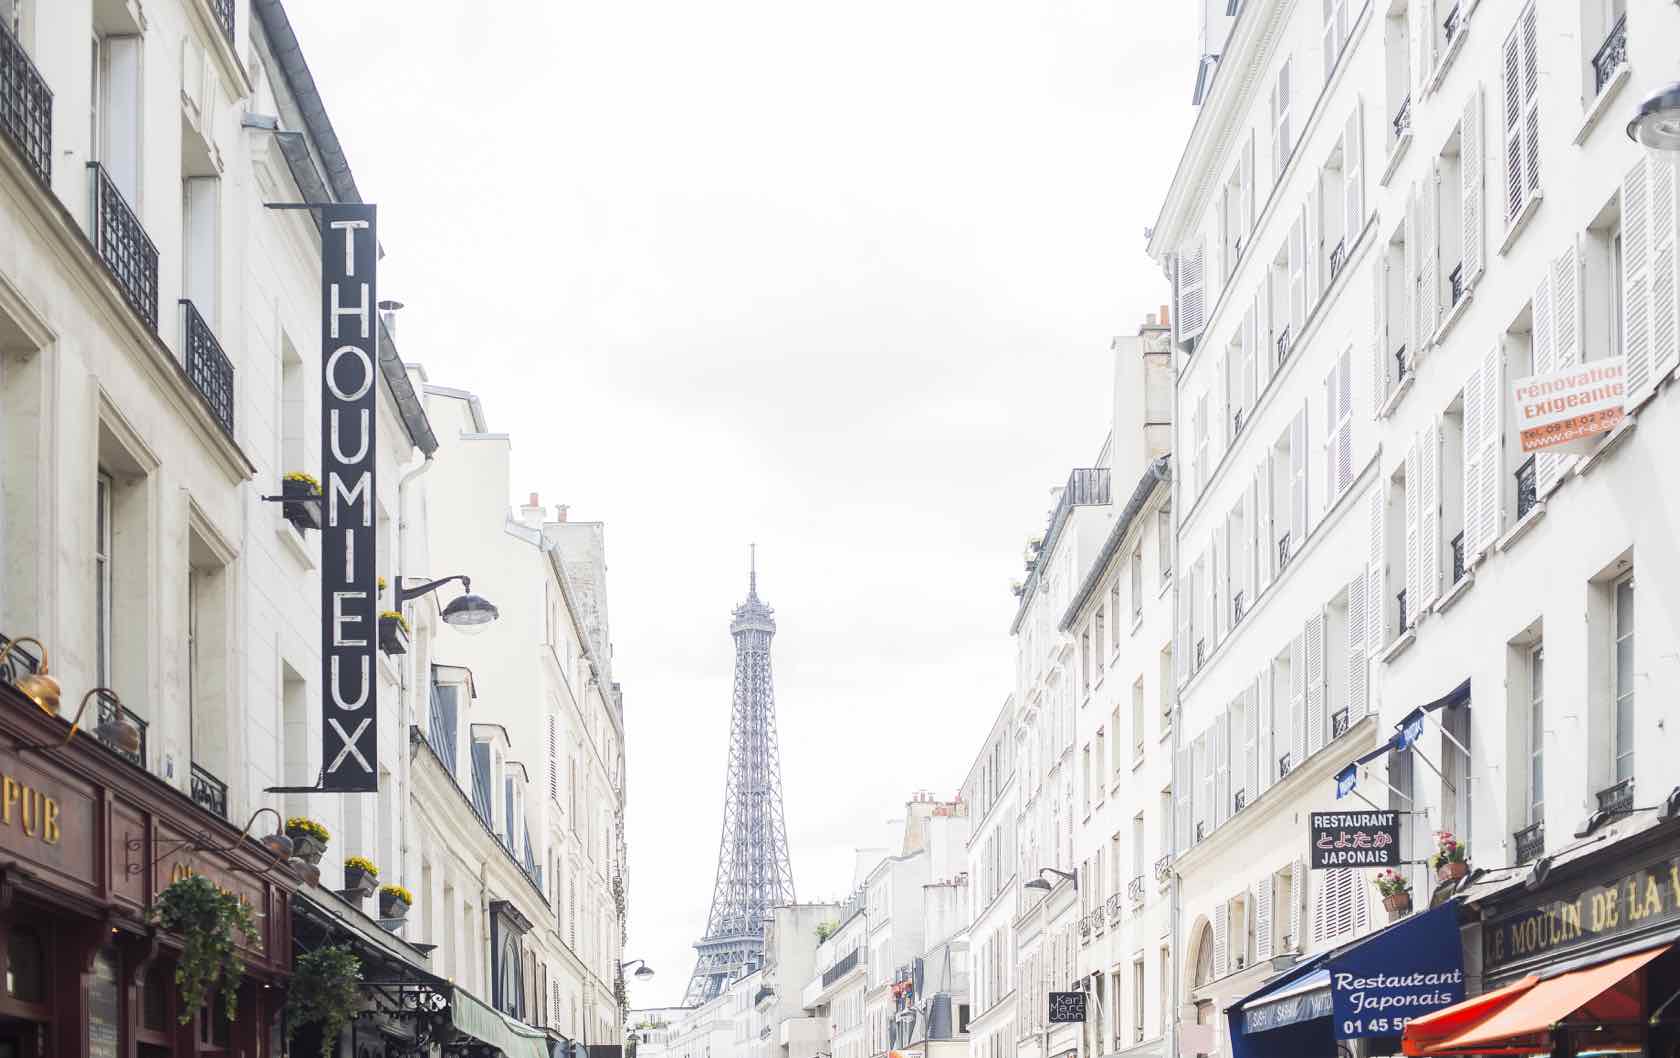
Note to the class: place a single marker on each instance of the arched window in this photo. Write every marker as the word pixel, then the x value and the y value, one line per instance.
pixel 1204 955
pixel 26 965
pixel 513 984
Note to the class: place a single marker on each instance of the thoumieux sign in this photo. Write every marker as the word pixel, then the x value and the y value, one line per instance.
pixel 349 350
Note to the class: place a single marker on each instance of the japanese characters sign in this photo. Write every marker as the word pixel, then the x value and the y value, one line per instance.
pixel 1355 839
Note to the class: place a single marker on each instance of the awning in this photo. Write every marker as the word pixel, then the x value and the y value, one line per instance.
pixel 1520 1018
pixel 478 1020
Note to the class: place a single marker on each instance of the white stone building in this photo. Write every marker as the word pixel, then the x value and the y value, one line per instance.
pixel 994 886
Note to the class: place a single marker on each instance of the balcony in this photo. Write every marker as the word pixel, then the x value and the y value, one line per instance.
pixel 107 713
pixel 1339 723
pixel 1526 497
pixel 1282 346
pixel 1201 829
pixel 1402 120
pixel 1114 906
pixel 1201 654
pixel 843 966
pixel 1236 422
pixel 1099 921
pixel 124 246
pixel 1239 801
pixel 223 10
pixel 25 106
pixel 1163 870
pixel 1401 368
pixel 1286 764
pixel 1458 557
pixel 1617 799
pixel 1238 608
pixel 1338 258
pixel 209 792
pixel 1400 598
pixel 1451 23
pixel 209 369
pixel 1283 552
pixel 1611 55
pixel 1530 842
pixel 1084 929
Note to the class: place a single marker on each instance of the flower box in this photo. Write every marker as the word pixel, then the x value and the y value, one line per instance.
pixel 393 633
pixel 303 512
pixel 394 901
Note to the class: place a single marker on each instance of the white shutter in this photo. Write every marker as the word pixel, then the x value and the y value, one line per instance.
pixel 1328 43
pixel 1470 186
pixel 1183 798
pixel 1268 750
pixel 1414 254
pixel 1429 513
pixel 1636 281
pixel 1424 35
pixel 1332 405
pixel 1472 456
pixel 1263 919
pixel 1251 743
pixel 1521 116
pixel 1192 292
pixel 1204 781
pixel 1429 253
pixel 1665 341
pixel 1298 482
pixel 1317 709
pixel 1298 701
pixel 1265 542
pixel 1315 243
pixel 1376 595
pixel 1245 572
pixel 1490 462
pixel 1414 522
pixel 1184 605
pixel 1353 175
pixel 1245 176
pixel 1548 466
pixel 1249 385
pixel 1222 768
pixel 1298 889
pixel 553 758
pixel 1221 434
pixel 1297 278
pixel 1221 938
pixel 1342 445
pixel 1357 687
pixel 1379 332
pixel 1219 599
pixel 1204 468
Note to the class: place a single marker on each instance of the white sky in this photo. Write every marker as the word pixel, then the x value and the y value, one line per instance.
pixel 836 277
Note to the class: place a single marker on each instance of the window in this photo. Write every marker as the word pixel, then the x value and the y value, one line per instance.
pixel 1114 607
pixel 1199 428
pixel 1085 663
pixel 1623 674
pixel 1335 33
pixel 1604 45
pixel 1536 734
pixel 1338 428
pixel 1397 47
pixel 1138 856
pixel 1098 638
pixel 1164 545
pixel 1166 690
pixel 1521 74
pixel 1283 717
pixel 1097 762
pixel 1085 779
pixel 102 598
pixel 114 111
pixel 1455 772
pixel 1289 491
pixel 1283 142
pixel 1137 723
pixel 1138 993
pixel 1453 489
pixel 26 965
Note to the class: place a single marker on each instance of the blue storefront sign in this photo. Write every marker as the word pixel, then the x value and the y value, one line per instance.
pixel 1399 974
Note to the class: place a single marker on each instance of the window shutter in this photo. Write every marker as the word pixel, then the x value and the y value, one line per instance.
pixel 1522 114
pixel 1343 447
pixel 1268 751
pixel 1221 938
pixel 1182 798
pixel 1376 567
pixel 1409 284
pixel 1262 524
pixel 1665 273
pixel 1204 469
pixel 1636 281
pixel 1317 711
pixel 1221 768
pixel 1263 919
pixel 1353 174
pixel 1245 571
pixel 1429 252
pixel 1414 522
pixel 1331 51
pixel 1220 569
pixel 1332 405
pixel 1298 891
pixel 1531 99
pixel 1245 177
pixel 1298 701
pixel 1429 511
pixel 1419 25
pixel 1206 745
pixel 1472 455
pixel 1379 332
pixel 1192 292
pixel 1357 697
pixel 1548 466
pixel 1222 410
pixel 1315 245
pixel 1251 743
pixel 1250 375
pixel 1490 463
pixel 1470 185
pixel 1298 482
pixel 1183 607
pixel 1297 277
pixel 553 759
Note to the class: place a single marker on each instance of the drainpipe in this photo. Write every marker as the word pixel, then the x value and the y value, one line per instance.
pixel 403 689
pixel 1175 896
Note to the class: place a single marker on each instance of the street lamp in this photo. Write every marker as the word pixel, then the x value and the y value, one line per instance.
pixel 1040 884
pixel 466 612
pixel 1657 123
pixel 643 971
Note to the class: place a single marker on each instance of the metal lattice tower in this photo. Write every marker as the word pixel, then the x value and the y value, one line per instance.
pixel 753 873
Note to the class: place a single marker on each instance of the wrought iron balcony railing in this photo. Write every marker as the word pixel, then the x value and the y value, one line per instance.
pixel 1451 23
pixel 107 713
pixel 1458 557
pixel 209 792
pixel 1237 608
pixel 1201 829
pixel 1283 552
pixel 1400 597
pixel 1339 723
pixel 124 246
pixel 1134 890
pixel 1530 842
pixel 1236 422
pixel 1338 258
pixel 1401 368
pixel 1286 764
pixel 1616 799
pixel 1114 907
pixel 1526 497
pixel 1099 921
pixel 18 663
pixel 223 10
pixel 842 966
pixel 1085 928
pixel 1611 55
pixel 1201 653
pixel 209 369
pixel 25 106
pixel 1239 801
pixel 1283 345
pixel 1455 283
pixel 1163 869
pixel 1402 120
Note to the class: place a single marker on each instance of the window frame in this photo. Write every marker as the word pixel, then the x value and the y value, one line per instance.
pixel 1619 692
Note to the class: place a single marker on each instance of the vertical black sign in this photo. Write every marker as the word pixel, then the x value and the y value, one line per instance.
pixel 349 377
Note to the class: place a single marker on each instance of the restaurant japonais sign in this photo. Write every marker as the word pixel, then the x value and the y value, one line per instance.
pixel 349 386
pixel 1355 839
pixel 1630 904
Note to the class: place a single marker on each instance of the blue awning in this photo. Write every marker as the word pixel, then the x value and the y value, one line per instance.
pixel 1371 987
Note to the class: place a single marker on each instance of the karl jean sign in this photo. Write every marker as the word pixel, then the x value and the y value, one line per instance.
pixel 349 366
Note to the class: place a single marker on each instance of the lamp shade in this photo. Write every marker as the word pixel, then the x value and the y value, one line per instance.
pixel 470 613
pixel 1657 124
pixel 644 972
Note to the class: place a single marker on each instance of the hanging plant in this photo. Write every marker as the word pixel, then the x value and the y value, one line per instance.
pixel 206 919
pixel 323 992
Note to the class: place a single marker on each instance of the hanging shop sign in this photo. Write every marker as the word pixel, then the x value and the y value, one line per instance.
pixel 349 626
pixel 1355 839
pixel 1631 904
pixel 1566 410
pixel 1402 973
pixel 1066 1007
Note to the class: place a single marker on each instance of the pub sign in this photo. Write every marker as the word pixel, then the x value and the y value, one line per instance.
pixel 1355 839
pixel 349 386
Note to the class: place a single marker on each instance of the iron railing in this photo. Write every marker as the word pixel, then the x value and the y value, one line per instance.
pixel 1099 921
pixel 1283 345
pixel 1085 928
pixel 1237 608
pixel 842 966
pixel 1339 723
pixel 25 106
pixel 223 10
pixel 1286 764
pixel 1283 552
pixel 1402 120
pixel 1611 55
pixel 1114 907
pixel 1201 830
pixel 108 712
pixel 1530 842
pixel 1400 597
pixel 1526 497
pixel 1451 23
pixel 17 663
pixel 209 792
pixel 1458 557
pixel 1239 801
pixel 1338 258
pixel 1616 799
pixel 1236 422
pixel 1201 653
pixel 1163 869
pixel 1455 283
pixel 1401 368
pixel 124 246
pixel 1134 889
pixel 209 369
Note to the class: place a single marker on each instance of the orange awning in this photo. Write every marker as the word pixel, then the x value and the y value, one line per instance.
pixel 1518 1018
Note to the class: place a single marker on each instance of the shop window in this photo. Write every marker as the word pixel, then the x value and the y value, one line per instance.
pixel 26 965
pixel 154 999
pixel 214 1030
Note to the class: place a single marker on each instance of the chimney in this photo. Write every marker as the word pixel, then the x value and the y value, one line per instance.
pixel 560 510
pixel 532 513
pixel 1163 316
pixel 388 315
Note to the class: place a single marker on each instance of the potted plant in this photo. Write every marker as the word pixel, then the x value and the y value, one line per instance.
pixel 323 992
pixel 309 839
pixel 826 930
pixel 394 901
pixel 393 632
pixel 360 875
pixel 299 508
pixel 1396 893
pixel 211 923
pixel 1448 859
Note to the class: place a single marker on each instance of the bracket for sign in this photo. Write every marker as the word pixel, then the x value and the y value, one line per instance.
pixel 292 499
pixel 304 205
pixel 317 788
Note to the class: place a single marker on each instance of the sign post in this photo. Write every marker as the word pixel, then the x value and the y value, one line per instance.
pixel 349 377
pixel 1355 839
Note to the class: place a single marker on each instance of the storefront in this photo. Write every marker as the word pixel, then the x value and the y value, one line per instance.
pixel 87 842
pixel 1576 953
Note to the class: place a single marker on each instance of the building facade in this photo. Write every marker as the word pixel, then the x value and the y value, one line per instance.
pixel 994 888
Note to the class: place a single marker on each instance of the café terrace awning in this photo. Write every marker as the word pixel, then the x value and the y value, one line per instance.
pixel 477 1019
pixel 1522 1017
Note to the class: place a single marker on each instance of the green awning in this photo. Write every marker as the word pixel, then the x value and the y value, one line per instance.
pixel 482 1023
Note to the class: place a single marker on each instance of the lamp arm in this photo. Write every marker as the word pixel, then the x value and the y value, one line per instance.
pixel 405 594
pixel 75 724
pixel 11 645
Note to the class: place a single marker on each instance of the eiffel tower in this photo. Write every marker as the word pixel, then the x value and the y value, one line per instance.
pixel 753 872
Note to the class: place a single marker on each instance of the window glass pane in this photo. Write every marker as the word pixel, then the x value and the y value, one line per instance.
pixel 26 965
